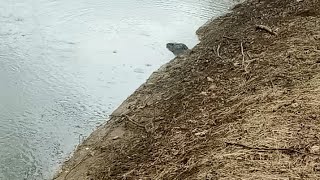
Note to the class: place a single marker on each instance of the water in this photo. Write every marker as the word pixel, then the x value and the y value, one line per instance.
pixel 66 64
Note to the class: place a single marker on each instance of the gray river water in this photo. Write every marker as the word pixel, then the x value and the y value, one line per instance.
pixel 65 65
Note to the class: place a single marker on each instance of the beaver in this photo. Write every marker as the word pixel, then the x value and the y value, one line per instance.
pixel 177 48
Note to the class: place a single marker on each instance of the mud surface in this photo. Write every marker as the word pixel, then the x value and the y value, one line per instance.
pixel 244 104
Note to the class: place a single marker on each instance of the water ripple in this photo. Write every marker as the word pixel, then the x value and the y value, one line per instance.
pixel 65 65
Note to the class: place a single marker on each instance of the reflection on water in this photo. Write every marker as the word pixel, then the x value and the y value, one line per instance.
pixel 65 65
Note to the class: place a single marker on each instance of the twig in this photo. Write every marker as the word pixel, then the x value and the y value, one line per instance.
pixel 242 54
pixel 248 54
pixel 272 84
pixel 218 53
pixel 80 135
pixel 116 116
pixel 269 149
pixel 266 28
pixel 226 37
pixel 133 122
pixel 249 62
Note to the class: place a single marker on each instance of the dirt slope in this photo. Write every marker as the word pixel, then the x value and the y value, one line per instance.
pixel 244 104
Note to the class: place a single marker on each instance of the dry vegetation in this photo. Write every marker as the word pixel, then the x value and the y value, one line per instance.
pixel 244 104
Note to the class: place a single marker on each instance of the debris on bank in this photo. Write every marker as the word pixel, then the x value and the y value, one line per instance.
pixel 243 104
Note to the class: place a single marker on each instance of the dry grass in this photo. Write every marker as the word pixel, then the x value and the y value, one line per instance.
pixel 245 104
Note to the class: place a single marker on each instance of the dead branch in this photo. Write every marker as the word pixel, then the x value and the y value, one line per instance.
pixel 266 28
pixel 289 150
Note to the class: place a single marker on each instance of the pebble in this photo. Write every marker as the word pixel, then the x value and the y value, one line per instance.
pixel 295 105
pixel 204 93
pixel 115 137
pixel 315 149
pixel 209 79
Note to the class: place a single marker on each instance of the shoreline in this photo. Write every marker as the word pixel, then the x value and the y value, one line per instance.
pixel 234 97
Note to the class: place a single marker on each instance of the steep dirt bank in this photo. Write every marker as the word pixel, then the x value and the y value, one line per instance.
pixel 244 104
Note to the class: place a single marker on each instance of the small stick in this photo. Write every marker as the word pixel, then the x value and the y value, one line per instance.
pixel 130 120
pixel 266 28
pixel 249 62
pixel 226 37
pixel 248 54
pixel 133 122
pixel 272 84
pixel 269 149
pixel 218 49
pixel 80 135
pixel 242 54
pixel 246 68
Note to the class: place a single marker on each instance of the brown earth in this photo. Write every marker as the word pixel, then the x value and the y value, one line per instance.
pixel 244 104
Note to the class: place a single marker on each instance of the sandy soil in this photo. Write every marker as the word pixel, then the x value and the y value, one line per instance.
pixel 244 104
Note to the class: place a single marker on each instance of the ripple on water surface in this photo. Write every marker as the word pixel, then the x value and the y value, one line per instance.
pixel 65 65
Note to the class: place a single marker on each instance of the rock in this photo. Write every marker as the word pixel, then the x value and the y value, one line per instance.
pixel 209 79
pixel 313 116
pixel 177 48
pixel 204 93
pixel 295 105
pixel 315 149
pixel 115 137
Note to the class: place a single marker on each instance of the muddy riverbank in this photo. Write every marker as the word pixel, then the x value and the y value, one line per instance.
pixel 244 104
